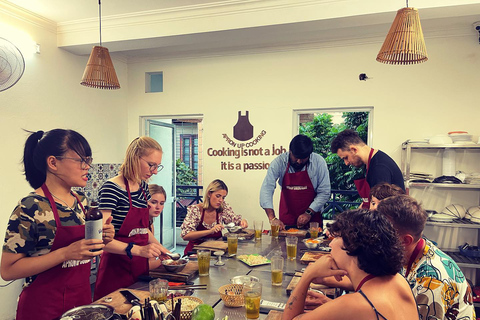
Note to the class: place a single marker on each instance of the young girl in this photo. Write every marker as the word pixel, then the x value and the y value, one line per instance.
pixel 125 198
pixel 156 202
pixel 205 220
pixel 44 242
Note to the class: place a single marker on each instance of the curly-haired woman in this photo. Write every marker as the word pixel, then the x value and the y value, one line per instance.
pixel 365 249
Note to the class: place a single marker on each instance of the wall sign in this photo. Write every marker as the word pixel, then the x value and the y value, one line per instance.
pixel 244 151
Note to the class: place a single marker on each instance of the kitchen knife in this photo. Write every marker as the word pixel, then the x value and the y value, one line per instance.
pixel 131 297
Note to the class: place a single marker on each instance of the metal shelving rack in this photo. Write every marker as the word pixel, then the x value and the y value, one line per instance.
pixel 407 147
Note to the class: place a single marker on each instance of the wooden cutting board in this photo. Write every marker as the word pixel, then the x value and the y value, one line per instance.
pixel 212 245
pixel 248 234
pixel 328 291
pixel 188 273
pixel 311 257
pixel 299 233
pixel 119 303
pixel 274 315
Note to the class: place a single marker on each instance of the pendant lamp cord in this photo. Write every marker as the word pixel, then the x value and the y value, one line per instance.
pixel 100 19
pixel 407 3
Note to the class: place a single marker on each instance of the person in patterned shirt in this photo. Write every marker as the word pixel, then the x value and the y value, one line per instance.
pixel 438 284
pixel 205 220
pixel 44 241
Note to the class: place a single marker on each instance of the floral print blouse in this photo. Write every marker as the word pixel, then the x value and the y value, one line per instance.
pixel 194 217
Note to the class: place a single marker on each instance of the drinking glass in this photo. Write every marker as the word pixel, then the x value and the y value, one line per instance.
pixel 314 230
pixel 232 242
pixel 258 226
pixel 277 270
pixel 275 225
pixel 291 247
pixel 158 290
pixel 252 293
pixel 203 262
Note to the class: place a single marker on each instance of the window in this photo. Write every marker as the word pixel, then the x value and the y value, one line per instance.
pixel 189 150
pixel 153 82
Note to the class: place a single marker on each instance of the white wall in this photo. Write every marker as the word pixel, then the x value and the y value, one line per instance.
pixel 49 95
pixel 409 101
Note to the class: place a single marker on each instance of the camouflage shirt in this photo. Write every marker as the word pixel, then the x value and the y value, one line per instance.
pixel 31 228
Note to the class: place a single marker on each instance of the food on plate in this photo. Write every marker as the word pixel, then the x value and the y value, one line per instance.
pixel 312 241
pixel 293 230
pixel 252 259
pixel 175 262
pixel 203 312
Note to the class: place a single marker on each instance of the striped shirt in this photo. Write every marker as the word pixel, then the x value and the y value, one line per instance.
pixel 113 197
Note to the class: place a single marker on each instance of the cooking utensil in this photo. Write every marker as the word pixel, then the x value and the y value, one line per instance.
pixel 131 297
pixel 230 225
pixel 99 311
pixel 170 267
pixel 174 256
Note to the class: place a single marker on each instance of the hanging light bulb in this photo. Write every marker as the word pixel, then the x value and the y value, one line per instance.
pixel 404 43
pixel 100 72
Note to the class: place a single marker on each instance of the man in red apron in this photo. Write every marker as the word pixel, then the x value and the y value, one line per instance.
pixel 120 271
pixel 380 167
pixel 62 287
pixel 304 178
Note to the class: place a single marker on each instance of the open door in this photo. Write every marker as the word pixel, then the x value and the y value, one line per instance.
pixel 164 226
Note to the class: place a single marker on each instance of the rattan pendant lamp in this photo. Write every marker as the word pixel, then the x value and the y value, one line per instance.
pixel 404 43
pixel 99 72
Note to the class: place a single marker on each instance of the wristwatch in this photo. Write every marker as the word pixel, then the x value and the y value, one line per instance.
pixel 128 250
pixel 309 212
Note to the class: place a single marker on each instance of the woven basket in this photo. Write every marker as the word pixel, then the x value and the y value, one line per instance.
pixel 232 295
pixel 184 315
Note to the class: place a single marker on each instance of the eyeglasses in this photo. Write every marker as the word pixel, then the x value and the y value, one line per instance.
pixel 83 161
pixel 153 166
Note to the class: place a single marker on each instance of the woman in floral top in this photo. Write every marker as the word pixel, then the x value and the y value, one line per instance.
pixel 205 220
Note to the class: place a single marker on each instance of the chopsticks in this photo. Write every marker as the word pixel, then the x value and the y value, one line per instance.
pixel 193 286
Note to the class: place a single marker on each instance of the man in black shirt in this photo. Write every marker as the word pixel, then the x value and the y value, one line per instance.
pixel 380 167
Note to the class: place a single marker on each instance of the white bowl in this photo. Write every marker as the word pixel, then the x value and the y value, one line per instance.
pixel 440 139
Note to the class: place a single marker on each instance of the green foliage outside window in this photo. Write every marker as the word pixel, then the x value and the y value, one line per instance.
pixel 185 176
pixel 322 131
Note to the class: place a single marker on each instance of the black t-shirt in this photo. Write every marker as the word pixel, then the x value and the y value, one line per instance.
pixel 384 169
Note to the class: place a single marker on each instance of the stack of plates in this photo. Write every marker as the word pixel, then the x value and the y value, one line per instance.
pixel 461 137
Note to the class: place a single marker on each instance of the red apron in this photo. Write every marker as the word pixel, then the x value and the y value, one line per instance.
pixel 200 227
pixel 119 271
pixel 297 195
pixel 62 287
pixel 363 187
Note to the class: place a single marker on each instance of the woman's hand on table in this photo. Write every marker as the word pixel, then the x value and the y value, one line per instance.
pixel 315 299
pixel 244 224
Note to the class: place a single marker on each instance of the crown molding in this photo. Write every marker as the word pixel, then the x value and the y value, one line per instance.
pixel 18 13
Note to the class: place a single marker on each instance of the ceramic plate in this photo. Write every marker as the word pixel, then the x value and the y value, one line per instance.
pixel 246 258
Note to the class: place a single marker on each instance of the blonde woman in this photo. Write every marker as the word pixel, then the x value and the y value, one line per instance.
pixel 125 198
pixel 205 220
pixel 156 203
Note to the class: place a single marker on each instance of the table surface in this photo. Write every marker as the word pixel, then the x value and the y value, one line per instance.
pixel 221 275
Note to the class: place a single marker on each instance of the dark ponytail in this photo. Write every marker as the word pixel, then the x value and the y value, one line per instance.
pixel 39 146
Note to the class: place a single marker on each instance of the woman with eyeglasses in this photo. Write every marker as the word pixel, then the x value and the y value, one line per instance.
pixel 205 220
pixel 125 198
pixel 44 242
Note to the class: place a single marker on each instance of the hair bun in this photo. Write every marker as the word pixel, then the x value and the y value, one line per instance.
pixel 39 134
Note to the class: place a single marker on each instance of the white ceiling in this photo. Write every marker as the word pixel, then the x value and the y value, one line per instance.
pixel 140 29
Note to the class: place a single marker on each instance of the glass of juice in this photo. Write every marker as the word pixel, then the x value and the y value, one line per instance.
pixel 275 225
pixel 252 292
pixel 314 230
pixel 258 226
pixel 291 247
pixel 203 256
pixel 158 290
pixel 232 242
pixel 277 270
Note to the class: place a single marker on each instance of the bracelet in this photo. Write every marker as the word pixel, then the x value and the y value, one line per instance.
pixel 128 249
pixel 272 219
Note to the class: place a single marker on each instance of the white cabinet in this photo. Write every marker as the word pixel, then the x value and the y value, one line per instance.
pixel 426 158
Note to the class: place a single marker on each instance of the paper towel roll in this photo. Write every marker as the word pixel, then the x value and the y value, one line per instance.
pixel 448 165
